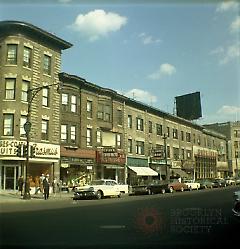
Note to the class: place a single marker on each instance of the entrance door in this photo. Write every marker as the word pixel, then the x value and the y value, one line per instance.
pixel 9 177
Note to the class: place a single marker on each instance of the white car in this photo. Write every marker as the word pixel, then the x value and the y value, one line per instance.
pixel 230 181
pixel 99 189
pixel 191 184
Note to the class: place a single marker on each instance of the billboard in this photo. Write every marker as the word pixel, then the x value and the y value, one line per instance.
pixel 188 106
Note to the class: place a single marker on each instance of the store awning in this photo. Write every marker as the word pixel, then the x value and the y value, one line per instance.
pixel 143 171
pixel 180 172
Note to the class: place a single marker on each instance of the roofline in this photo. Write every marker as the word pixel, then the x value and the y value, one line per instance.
pixel 85 84
pixel 19 27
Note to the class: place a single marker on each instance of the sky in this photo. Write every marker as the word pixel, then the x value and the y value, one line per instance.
pixel 151 51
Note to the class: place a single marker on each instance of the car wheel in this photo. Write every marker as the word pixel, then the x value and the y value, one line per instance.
pixel 190 189
pixel 120 195
pixel 182 189
pixel 99 195
pixel 171 189
pixel 163 191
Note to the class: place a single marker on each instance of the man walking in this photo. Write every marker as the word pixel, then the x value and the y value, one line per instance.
pixel 46 187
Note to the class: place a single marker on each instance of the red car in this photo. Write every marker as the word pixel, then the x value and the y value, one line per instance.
pixel 175 185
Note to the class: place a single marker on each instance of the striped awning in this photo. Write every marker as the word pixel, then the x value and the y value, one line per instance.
pixel 143 171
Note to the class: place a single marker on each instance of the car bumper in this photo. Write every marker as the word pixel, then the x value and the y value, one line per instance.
pixel 81 195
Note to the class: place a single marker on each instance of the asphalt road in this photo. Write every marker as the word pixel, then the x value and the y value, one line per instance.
pixel 187 220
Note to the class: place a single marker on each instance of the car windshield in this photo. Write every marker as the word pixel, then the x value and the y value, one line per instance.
pixel 97 182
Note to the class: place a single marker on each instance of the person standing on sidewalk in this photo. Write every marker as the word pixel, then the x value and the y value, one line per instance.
pixel 20 184
pixel 46 187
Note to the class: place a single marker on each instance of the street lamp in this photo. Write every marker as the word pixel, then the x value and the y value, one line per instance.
pixel 31 94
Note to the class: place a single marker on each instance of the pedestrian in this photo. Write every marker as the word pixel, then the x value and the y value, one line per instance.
pixel 55 186
pixel 46 187
pixel 41 178
pixel 20 184
pixel 37 182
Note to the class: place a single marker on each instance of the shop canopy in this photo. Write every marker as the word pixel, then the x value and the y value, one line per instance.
pixel 143 171
pixel 180 172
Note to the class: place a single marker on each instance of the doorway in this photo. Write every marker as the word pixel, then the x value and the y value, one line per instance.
pixel 9 177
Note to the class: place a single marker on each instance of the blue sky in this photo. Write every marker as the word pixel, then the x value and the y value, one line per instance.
pixel 148 50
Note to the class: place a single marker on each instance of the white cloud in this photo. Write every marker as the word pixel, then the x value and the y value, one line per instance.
pixel 235 25
pixel 229 110
pixel 218 50
pixel 64 1
pixel 231 52
pixel 226 6
pixel 98 23
pixel 141 95
pixel 148 39
pixel 164 70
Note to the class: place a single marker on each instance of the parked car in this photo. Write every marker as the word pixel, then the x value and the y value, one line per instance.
pixel 99 189
pixel 230 181
pixel 237 180
pixel 219 183
pixel 205 183
pixel 191 184
pixel 175 185
pixel 236 205
pixel 155 187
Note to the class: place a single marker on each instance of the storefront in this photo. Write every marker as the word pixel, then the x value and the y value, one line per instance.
pixel 77 166
pixel 111 164
pixel 139 171
pixel 45 160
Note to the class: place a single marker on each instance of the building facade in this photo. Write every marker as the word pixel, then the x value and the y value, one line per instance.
pixel 29 67
pixel 232 132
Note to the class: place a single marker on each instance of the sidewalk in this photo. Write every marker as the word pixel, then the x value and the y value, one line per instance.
pixel 14 196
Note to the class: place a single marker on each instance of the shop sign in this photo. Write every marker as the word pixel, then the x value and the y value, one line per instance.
pixel 42 150
pixel 77 160
pixel 111 157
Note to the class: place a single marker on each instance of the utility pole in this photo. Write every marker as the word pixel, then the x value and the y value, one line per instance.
pixel 165 156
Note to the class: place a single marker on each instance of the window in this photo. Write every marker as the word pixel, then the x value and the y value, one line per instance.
pixel 63 133
pixel 130 121
pixel 159 129
pixel 104 112
pixel 236 133
pixel 12 54
pixel 168 132
pixel 23 120
pixel 175 133
pixel 119 117
pixel 47 64
pixel 118 141
pixel 25 87
pixel 73 134
pixel 130 146
pixel 107 110
pixel 189 154
pixel 199 140
pixel 89 137
pixel 64 98
pixel 150 126
pixel 27 54
pixel 99 137
pixel 8 124
pixel 73 103
pixel 10 88
pixel 89 109
pixel 139 124
pixel 45 97
pixel 168 152
pixel 183 154
pixel 139 147
pixel 182 135
pixel 45 129
pixel 188 137
pixel 176 153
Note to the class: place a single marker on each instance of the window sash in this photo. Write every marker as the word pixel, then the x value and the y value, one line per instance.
pixel 45 97
pixel 73 134
pixel 45 125
pixel 47 64
pixel 63 133
pixel 25 87
pixel 27 57
pixel 73 103
pixel 8 124
pixel 23 120
pixel 89 137
pixel 12 54
pixel 89 109
pixel 10 88
pixel 64 98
